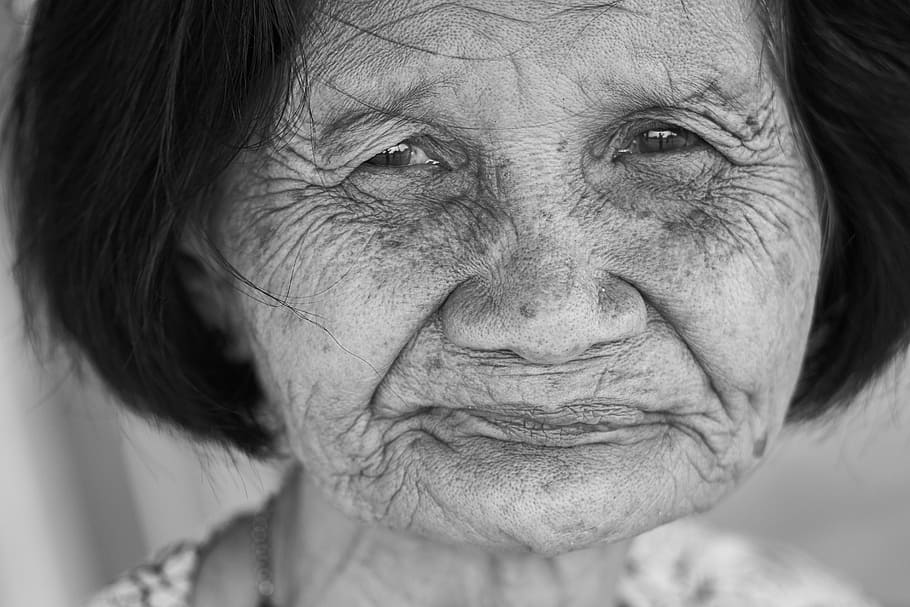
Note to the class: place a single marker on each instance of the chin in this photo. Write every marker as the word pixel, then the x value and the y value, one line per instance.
pixel 514 496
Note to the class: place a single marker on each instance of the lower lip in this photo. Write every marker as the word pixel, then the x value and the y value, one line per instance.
pixel 529 431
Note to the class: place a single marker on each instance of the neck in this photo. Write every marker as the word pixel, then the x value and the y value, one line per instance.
pixel 321 557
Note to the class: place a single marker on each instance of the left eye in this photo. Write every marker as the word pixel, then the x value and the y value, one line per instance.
pixel 404 154
pixel 662 139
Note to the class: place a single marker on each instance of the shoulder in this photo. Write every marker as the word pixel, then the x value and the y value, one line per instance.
pixel 174 576
pixel 689 565
pixel 164 581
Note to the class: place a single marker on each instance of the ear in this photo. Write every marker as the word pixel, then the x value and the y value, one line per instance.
pixel 211 290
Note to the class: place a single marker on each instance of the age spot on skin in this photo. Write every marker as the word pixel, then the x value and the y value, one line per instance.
pixel 704 592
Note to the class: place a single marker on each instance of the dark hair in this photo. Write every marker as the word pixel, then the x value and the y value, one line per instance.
pixel 126 112
pixel 847 71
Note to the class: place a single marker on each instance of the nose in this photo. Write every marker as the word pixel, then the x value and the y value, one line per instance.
pixel 543 308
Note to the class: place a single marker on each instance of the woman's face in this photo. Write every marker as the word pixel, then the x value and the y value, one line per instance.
pixel 570 305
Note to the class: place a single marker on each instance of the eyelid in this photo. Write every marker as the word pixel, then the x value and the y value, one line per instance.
pixel 445 157
pixel 630 140
pixel 715 137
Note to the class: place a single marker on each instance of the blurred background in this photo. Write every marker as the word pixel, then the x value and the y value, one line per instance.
pixel 87 490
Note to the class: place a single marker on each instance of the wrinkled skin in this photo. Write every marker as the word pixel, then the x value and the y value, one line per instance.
pixel 551 338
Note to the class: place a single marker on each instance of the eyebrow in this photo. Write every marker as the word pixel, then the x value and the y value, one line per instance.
pixel 735 110
pixel 599 7
pixel 377 109
pixel 359 114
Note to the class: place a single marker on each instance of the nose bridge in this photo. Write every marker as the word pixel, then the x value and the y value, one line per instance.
pixel 541 278
pixel 534 173
pixel 546 294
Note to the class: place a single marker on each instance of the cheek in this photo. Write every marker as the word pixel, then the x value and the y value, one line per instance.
pixel 337 283
pixel 735 275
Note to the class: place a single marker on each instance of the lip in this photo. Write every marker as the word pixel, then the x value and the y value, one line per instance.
pixel 547 429
pixel 584 414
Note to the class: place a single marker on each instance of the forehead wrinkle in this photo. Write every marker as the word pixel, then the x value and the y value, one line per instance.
pixel 391 84
pixel 399 19
pixel 599 9
pixel 402 10
pixel 384 30
pixel 695 62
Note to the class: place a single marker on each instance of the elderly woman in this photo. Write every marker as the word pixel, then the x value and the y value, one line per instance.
pixel 512 282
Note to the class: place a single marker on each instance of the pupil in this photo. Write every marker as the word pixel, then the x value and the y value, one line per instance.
pixel 662 137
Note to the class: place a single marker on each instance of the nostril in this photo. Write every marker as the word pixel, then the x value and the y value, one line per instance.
pixel 542 316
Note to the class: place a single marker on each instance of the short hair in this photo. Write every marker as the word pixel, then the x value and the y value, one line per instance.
pixel 125 114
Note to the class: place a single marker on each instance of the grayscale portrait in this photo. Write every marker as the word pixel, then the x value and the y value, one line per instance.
pixel 510 291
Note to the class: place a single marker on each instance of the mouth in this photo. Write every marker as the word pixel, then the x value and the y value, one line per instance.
pixel 569 427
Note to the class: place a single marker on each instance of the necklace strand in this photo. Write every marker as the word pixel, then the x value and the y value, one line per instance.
pixel 262 553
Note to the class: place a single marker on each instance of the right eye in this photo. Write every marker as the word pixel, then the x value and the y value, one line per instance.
pixel 663 139
pixel 404 154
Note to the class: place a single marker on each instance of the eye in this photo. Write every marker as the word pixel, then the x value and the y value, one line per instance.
pixel 404 154
pixel 662 139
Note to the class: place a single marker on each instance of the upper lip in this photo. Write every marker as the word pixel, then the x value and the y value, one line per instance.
pixel 573 413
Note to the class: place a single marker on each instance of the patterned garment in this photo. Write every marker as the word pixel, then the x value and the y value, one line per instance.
pixel 165 581
pixel 679 565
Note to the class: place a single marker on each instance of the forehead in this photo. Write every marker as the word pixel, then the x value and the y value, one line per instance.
pixel 384 54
